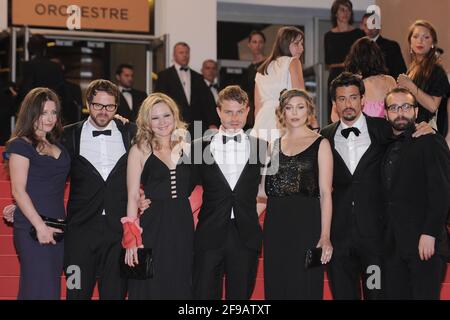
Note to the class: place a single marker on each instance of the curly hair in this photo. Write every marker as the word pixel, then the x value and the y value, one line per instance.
pixel 366 58
pixel 145 138
pixel 285 98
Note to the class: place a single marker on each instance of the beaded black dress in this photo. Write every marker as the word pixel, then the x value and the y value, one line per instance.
pixel 292 225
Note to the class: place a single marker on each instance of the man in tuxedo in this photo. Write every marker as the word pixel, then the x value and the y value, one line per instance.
pixel 391 50
pixel 98 148
pixel 98 194
pixel 416 180
pixel 359 143
pixel 130 99
pixel 228 236
pixel 209 72
pixel 188 89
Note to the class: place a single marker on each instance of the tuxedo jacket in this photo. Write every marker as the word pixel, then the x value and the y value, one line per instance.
pixel 419 197
pixel 200 108
pixel 89 193
pixel 124 109
pixel 219 198
pixel 358 198
pixel 392 56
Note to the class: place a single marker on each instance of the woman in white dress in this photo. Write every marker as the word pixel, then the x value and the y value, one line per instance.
pixel 281 70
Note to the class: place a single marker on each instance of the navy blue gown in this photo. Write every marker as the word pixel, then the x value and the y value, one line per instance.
pixel 40 265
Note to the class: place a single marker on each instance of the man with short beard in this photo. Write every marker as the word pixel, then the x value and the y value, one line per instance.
pixel 98 148
pixel 416 180
pixel 359 143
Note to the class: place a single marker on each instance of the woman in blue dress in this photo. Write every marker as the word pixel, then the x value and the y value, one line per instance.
pixel 38 166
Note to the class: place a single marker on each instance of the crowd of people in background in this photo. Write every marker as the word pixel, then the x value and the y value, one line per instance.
pixel 371 188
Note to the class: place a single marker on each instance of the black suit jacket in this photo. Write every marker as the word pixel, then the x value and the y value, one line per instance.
pixel 392 56
pixel 359 197
pixel 124 109
pixel 89 193
pixel 218 198
pixel 419 198
pixel 200 108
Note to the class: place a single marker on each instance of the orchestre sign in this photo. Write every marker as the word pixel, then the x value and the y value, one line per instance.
pixel 117 15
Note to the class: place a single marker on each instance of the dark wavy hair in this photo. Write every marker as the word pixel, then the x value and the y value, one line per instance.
pixel 280 48
pixel 346 79
pixel 365 57
pixel 30 111
pixel 335 8
pixel 420 71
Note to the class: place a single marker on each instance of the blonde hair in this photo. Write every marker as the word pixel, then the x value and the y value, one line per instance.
pixel 285 97
pixel 145 138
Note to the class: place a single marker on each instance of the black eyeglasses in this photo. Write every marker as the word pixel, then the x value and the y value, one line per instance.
pixel 405 107
pixel 99 106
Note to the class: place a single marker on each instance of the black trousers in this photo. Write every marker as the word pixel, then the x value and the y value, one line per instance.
pixel 96 251
pixel 235 261
pixel 408 277
pixel 356 271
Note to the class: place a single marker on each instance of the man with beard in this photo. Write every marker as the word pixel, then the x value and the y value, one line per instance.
pixel 416 181
pixel 98 194
pixel 359 143
pixel 98 149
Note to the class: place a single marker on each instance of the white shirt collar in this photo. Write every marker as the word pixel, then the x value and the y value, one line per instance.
pixel 208 83
pixel 376 38
pixel 121 88
pixel 177 66
pixel 361 123
pixel 88 125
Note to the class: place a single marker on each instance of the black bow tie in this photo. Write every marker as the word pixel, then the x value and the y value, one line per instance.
pixel 215 85
pixel 126 90
pixel 184 69
pixel 236 138
pixel 96 133
pixel 346 132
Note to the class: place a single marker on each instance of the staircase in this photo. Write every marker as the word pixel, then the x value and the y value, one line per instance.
pixel 9 264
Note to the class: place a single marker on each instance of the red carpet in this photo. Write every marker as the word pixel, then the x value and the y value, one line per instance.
pixel 9 265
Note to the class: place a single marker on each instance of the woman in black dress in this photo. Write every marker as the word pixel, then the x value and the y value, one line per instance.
pixel 299 207
pixel 339 40
pixel 158 162
pixel 425 78
pixel 38 167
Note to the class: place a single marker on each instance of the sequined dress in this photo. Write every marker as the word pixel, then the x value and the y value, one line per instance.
pixel 292 225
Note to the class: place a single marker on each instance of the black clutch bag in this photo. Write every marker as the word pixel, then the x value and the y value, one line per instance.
pixel 143 270
pixel 53 223
pixel 312 258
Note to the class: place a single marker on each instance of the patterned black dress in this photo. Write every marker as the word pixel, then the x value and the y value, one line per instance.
pixel 292 225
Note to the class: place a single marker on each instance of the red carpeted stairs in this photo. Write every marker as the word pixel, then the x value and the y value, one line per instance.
pixel 9 265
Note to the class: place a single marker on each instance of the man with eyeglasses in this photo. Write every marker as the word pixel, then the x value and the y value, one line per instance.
pixel 416 181
pixel 98 195
pixel 98 149
pixel 359 143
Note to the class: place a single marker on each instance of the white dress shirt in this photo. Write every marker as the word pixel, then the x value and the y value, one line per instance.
pixel 185 78
pixel 213 90
pixel 128 97
pixel 102 151
pixel 353 148
pixel 231 157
